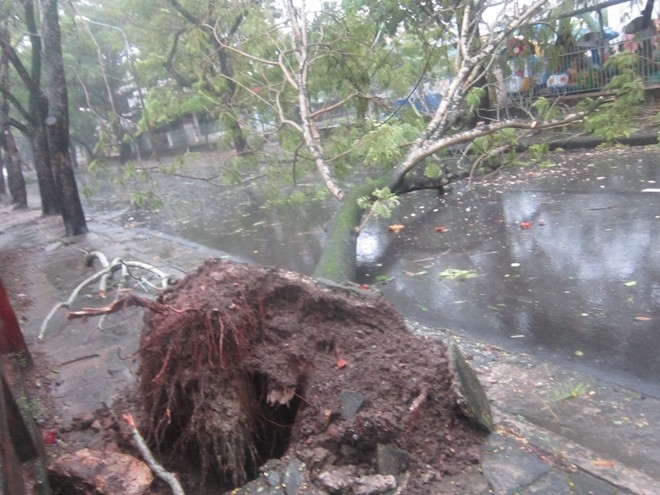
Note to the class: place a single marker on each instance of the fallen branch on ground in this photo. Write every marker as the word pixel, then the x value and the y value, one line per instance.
pixel 148 457
pixel 107 270
pixel 118 305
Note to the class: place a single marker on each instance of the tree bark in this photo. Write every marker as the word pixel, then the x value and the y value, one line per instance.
pixel 337 262
pixel 58 123
pixel 15 179
pixel 3 186
pixel 37 114
pixel 7 143
pixel 50 202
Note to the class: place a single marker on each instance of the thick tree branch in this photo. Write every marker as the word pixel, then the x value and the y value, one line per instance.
pixel 185 13
pixel 426 149
pixel 16 105
pixel 309 127
pixel 20 69
pixel 181 80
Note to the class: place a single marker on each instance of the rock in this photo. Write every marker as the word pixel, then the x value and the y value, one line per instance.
pixel 293 476
pixel 391 460
pixel 101 473
pixel 271 472
pixel 338 480
pixel 315 458
pixel 374 484
pixel 472 399
pixel 351 402
pixel 288 476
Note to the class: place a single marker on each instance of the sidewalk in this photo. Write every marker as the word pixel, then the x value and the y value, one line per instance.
pixel 557 431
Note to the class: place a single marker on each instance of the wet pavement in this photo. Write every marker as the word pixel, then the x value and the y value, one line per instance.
pixel 565 263
pixel 559 429
pixel 566 257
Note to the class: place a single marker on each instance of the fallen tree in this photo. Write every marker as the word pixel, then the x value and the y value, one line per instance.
pixel 251 363
pixel 460 123
pixel 241 364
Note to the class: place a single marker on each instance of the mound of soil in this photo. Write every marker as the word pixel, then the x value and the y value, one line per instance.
pixel 241 364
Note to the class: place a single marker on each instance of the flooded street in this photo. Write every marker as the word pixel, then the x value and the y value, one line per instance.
pixel 566 264
pixel 563 261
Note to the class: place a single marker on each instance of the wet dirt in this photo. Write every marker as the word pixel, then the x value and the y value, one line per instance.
pixel 240 364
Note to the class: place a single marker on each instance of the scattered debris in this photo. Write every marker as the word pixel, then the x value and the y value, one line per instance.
pixel 108 270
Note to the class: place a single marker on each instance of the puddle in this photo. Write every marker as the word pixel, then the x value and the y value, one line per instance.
pixel 567 262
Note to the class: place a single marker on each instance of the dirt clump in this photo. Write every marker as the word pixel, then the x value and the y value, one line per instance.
pixel 242 364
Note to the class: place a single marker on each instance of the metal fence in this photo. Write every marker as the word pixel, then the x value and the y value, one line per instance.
pixel 581 70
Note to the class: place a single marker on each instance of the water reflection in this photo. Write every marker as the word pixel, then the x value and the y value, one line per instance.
pixel 563 286
pixel 570 283
pixel 233 220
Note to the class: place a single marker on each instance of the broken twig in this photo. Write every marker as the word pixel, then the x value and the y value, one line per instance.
pixel 125 302
pixel 107 270
pixel 148 457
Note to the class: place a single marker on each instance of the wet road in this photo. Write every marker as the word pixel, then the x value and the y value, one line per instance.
pixel 566 263
pixel 563 261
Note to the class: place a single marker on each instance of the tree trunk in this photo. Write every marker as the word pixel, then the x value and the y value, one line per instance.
pixel 50 202
pixel 337 262
pixel 15 178
pixel 3 187
pixel 12 162
pixel 37 109
pixel 236 133
pixel 58 124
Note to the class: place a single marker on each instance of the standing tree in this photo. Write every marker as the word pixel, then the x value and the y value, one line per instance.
pixel 58 122
pixel 194 74
pixel 46 113
pixel 7 143
pixel 34 112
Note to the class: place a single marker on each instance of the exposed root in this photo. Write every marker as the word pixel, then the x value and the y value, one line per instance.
pixel 125 302
pixel 414 407
pixel 148 457
pixel 108 269
pixel 260 368
pixel 416 404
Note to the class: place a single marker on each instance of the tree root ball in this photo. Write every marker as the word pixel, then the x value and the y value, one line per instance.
pixel 242 364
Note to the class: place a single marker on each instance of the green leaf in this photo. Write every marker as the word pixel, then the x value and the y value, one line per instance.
pixel 456 274
pixel 474 97
pixel 432 170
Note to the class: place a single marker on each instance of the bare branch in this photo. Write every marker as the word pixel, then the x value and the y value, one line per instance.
pixel 103 274
pixel 118 305
pixel 330 108
pixel 425 149
pixel 159 470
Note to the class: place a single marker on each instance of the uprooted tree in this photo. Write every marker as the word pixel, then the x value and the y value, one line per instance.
pixel 241 364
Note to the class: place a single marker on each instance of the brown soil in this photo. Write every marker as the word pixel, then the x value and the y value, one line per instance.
pixel 240 364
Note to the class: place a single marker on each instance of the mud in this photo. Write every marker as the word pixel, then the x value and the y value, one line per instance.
pixel 242 364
